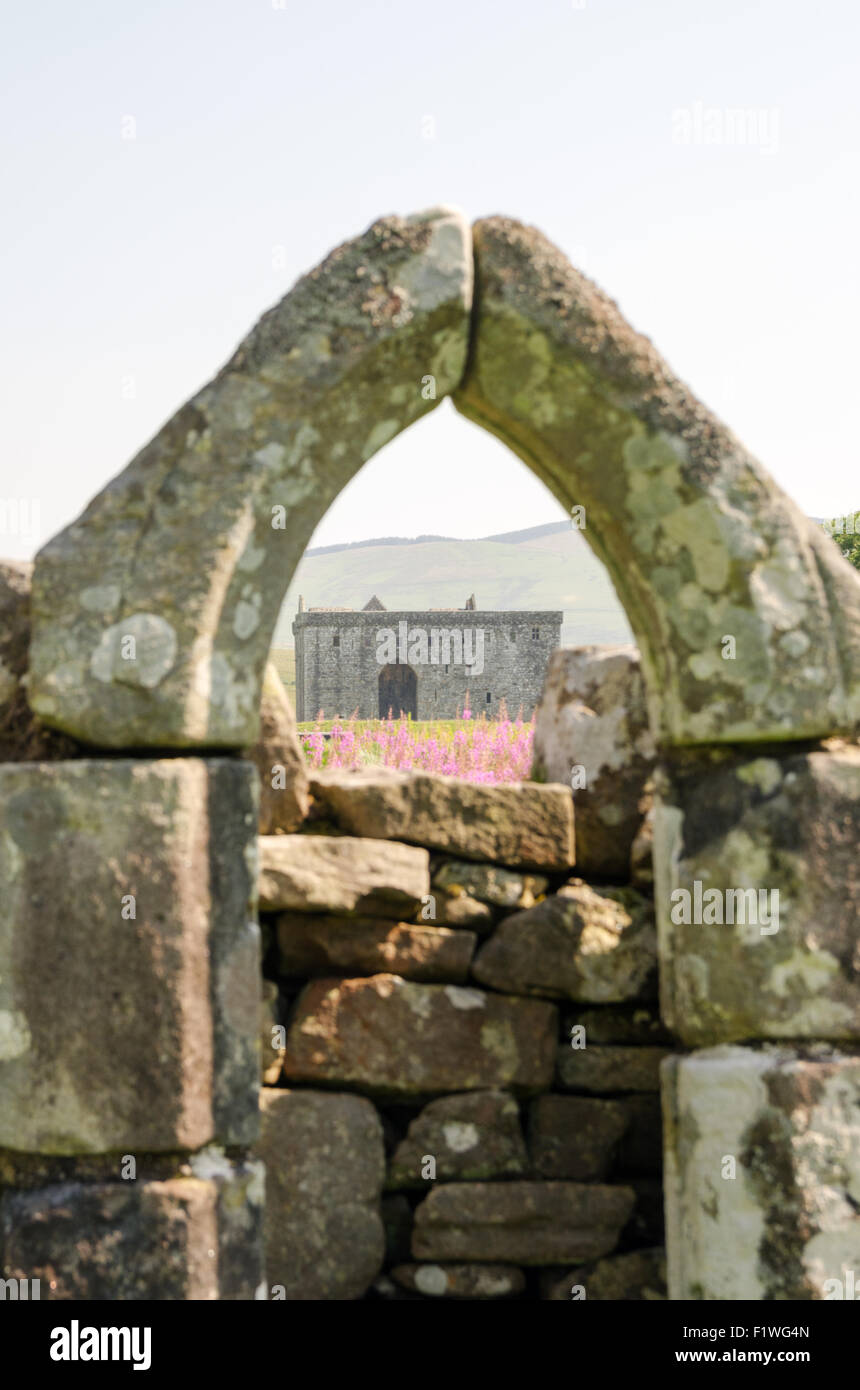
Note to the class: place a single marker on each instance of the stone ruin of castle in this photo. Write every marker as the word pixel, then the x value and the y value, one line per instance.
pixel 428 664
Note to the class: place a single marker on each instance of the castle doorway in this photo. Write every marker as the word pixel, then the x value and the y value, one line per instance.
pixel 398 691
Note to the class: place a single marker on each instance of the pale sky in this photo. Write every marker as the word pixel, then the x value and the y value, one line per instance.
pixel 265 134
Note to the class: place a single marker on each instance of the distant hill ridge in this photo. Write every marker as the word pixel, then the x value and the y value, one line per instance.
pixel 513 537
pixel 537 568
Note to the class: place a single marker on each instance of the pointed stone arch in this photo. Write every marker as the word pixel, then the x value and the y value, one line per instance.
pixel 194 544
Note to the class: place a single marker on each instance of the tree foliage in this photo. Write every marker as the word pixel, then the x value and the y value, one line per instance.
pixel 845 530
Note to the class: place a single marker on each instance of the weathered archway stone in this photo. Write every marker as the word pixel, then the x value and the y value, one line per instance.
pixel 762 1152
pixel 698 540
pixel 194 544
pixel 758 894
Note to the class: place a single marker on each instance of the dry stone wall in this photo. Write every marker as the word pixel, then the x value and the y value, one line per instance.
pixel 460 1047
pixel 457 1040
pixel 131 679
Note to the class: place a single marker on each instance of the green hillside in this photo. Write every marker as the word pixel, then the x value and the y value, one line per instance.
pixel 284 659
pixel 549 567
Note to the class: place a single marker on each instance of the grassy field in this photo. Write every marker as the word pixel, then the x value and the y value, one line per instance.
pixel 419 728
pixel 285 663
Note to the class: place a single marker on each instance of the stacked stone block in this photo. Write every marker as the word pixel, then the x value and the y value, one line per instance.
pixel 758 906
pixel 129 959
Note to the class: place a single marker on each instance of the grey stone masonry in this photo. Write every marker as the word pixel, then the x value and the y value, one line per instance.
pixel 373 661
